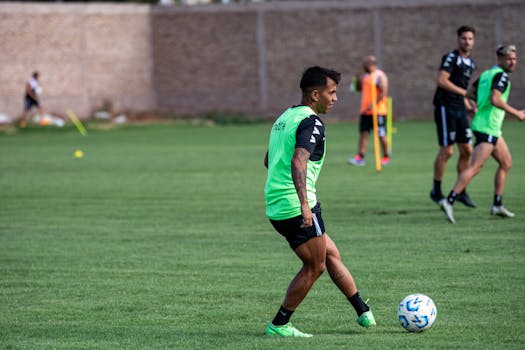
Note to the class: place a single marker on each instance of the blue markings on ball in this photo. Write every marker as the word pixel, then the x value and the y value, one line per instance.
pixel 416 313
pixel 421 322
pixel 404 321
pixel 413 304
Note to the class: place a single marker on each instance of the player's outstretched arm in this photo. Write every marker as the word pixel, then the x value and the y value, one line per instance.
pixel 497 101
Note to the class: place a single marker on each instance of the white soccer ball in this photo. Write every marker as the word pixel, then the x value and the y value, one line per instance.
pixel 416 312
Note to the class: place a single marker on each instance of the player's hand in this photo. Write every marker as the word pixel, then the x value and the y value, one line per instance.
pixel 521 115
pixel 472 112
pixel 307 216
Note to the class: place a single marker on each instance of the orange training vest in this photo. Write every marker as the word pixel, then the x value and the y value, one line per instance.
pixel 366 93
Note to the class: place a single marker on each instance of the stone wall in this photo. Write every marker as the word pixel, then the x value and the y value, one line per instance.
pixel 249 58
pixel 86 54
pixel 240 57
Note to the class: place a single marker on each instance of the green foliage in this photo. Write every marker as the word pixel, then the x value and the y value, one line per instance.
pixel 157 239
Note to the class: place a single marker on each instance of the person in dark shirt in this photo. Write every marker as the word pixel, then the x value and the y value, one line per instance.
pixel 450 111
pixel 491 91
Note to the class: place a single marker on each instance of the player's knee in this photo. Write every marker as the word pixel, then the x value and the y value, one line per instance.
pixel 465 153
pixel 321 268
pixel 317 269
pixel 446 153
pixel 506 165
pixel 314 269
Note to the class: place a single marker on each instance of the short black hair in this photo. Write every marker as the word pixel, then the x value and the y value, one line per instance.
pixel 464 29
pixel 316 77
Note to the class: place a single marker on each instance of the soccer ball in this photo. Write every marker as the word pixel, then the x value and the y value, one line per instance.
pixel 416 312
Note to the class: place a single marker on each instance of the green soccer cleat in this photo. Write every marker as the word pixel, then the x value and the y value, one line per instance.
pixel 366 319
pixel 286 330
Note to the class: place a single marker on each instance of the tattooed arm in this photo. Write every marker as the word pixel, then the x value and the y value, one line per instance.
pixel 299 163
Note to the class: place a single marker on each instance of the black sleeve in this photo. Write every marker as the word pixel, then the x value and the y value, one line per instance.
pixel 500 82
pixel 448 61
pixel 310 133
pixel 475 88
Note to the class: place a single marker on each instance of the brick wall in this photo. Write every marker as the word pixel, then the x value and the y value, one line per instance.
pixel 249 57
pixel 240 57
pixel 86 54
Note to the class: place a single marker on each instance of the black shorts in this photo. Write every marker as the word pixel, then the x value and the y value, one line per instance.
pixel 30 102
pixel 366 124
pixel 452 126
pixel 481 137
pixel 295 234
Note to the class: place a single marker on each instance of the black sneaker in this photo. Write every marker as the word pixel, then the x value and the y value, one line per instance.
pixel 465 199
pixel 436 197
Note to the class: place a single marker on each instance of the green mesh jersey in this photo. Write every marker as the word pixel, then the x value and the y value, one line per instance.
pixel 489 118
pixel 281 197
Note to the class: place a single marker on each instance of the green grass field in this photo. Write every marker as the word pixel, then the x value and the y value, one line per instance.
pixel 157 239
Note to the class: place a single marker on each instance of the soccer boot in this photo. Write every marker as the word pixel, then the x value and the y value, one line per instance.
pixel 286 330
pixel 385 160
pixel 448 209
pixel 501 211
pixel 436 197
pixel 366 319
pixel 357 160
pixel 464 198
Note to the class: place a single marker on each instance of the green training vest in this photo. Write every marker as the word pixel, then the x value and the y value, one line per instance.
pixel 281 197
pixel 489 118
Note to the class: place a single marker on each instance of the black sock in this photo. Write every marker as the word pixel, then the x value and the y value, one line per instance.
pixel 498 200
pixel 362 155
pixel 358 304
pixel 282 317
pixel 436 189
pixel 452 197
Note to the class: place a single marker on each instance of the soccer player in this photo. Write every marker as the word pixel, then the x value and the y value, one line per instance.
pixel 492 90
pixel 450 111
pixel 31 98
pixel 365 84
pixel 294 159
